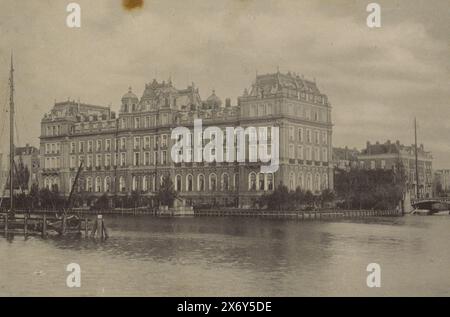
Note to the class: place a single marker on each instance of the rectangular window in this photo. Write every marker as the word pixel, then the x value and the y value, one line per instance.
pixel 72 147
pixel 136 123
pixel 300 134
pixel 147 158
pixel 72 162
pixel 89 146
pixel 98 147
pixel 291 133
pixel 80 160
pixel 122 159
pixel 308 135
pixel 164 119
pixel 163 157
pixel 81 147
pixel 107 160
pixel 164 140
pixel 122 143
pixel 324 138
pixel 147 142
pixel 136 158
pixel 291 151
pixel 98 160
pixel 383 164
pixel 308 153
pixel 107 145
pixel 137 141
pixel 89 161
pixel 300 152
pixel 325 155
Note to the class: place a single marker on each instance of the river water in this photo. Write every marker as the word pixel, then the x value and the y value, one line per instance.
pixel 211 256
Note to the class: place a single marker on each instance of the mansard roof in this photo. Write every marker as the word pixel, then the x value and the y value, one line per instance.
pixel 277 82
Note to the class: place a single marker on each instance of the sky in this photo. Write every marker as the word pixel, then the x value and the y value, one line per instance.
pixel 377 79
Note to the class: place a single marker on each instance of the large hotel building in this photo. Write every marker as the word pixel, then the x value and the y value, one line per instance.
pixel 131 151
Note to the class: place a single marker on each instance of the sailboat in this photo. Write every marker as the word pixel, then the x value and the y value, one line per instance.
pixel 426 207
pixel 63 223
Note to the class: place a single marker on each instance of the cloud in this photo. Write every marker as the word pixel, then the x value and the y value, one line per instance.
pixel 376 79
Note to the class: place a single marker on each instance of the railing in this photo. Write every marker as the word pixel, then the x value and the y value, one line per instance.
pixel 233 212
pixel 88 211
pixel 301 215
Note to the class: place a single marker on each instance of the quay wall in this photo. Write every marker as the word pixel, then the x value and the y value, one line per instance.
pixel 236 212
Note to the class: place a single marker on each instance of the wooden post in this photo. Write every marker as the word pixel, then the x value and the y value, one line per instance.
pixel 104 231
pixel 44 226
pixel 25 224
pixel 86 227
pixel 6 222
pixel 94 228
pixel 64 225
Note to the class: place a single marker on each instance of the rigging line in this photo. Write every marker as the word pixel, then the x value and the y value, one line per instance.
pixel 17 134
pixel 2 127
pixel 4 111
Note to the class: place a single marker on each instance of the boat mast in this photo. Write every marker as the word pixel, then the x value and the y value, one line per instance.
pixel 417 166
pixel 11 136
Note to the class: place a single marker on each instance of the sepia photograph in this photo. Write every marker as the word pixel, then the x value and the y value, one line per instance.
pixel 224 148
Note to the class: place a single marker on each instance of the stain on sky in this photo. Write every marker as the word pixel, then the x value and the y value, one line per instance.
pixel 132 4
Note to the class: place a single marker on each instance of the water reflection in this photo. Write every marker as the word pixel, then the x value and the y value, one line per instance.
pixel 235 256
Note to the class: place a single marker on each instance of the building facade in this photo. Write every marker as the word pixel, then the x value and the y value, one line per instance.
pixel 28 157
pixel 442 181
pixel 27 163
pixel 345 158
pixel 389 156
pixel 131 151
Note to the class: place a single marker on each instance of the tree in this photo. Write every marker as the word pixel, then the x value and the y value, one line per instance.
pixel 21 176
pixel 327 196
pixel 370 189
pixel 102 203
pixel 298 197
pixel 166 192
pixel 309 198
pixel 279 199
pixel 34 195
